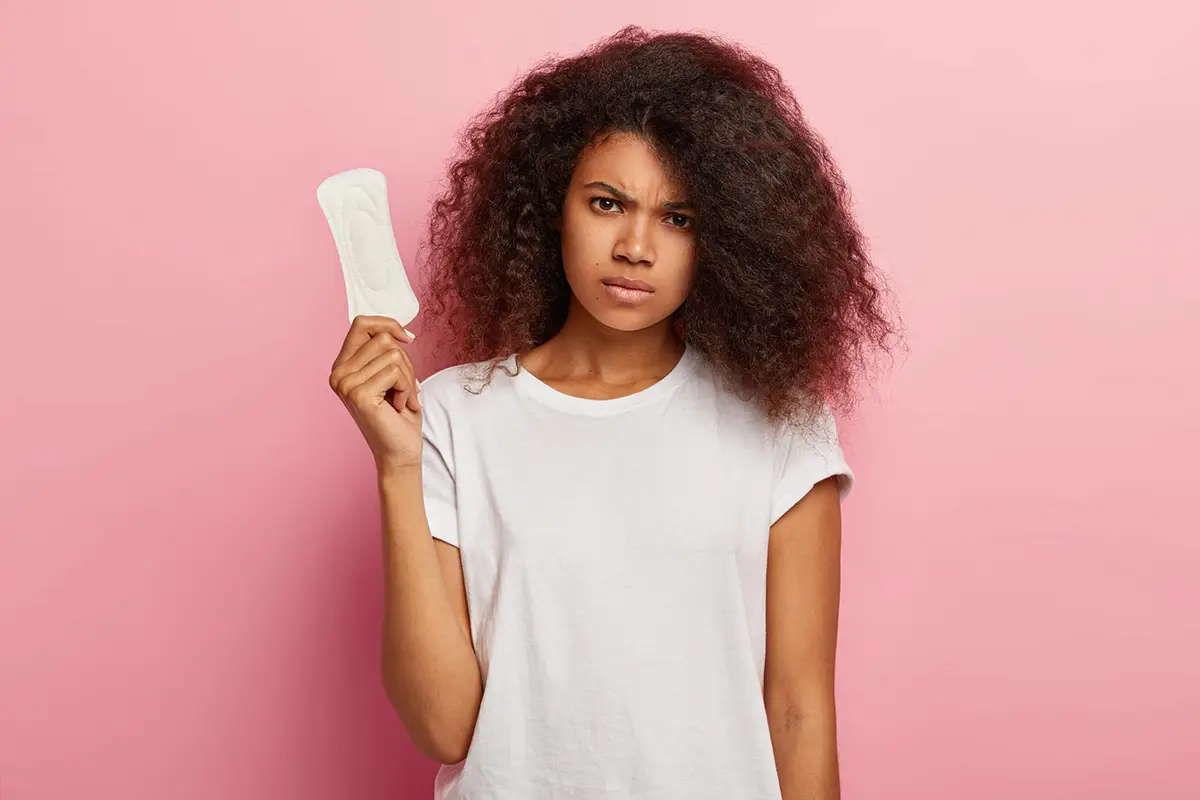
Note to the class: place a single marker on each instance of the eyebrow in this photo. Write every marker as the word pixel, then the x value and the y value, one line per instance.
pixel 624 198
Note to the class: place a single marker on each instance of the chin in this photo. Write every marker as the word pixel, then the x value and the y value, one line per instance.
pixel 628 324
pixel 627 320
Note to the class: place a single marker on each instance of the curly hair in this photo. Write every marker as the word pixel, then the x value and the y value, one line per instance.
pixel 785 305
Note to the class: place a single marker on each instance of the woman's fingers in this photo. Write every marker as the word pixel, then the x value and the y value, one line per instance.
pixel 363 328
pixel 391 370
pixel 413 385
pixel 374 347
pixel 366 394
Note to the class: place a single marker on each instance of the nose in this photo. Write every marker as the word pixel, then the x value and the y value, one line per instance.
pixel 635 243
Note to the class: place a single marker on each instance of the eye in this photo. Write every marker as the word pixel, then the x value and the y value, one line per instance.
pixel 596 201
pixel 680 220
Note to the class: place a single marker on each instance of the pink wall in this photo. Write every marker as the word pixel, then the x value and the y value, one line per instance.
pixel 189 580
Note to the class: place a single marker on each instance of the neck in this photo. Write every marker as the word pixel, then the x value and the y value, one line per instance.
pixel 586 348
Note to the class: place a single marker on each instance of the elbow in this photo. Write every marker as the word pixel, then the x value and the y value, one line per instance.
pixel 437 735
pixel 444 741
pixel 445 747
pixel 790 714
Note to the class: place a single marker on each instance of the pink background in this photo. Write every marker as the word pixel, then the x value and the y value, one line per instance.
pixel 189 577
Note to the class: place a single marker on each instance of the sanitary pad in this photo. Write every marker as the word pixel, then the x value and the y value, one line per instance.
pixel 356 208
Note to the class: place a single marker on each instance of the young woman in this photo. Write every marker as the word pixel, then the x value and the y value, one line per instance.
pixel 612 533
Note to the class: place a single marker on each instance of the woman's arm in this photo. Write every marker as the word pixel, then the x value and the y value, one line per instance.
pixel 429 668
pixel 803 586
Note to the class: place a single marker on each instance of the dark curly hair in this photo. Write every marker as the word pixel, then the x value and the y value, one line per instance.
pixel 785 304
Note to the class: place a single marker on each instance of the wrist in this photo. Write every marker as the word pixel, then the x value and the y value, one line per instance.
pixel 397 473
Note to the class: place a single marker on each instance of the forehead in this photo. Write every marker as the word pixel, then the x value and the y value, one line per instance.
pixel 626 161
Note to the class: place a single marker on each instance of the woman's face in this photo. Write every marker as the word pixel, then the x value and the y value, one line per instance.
pixel 628 238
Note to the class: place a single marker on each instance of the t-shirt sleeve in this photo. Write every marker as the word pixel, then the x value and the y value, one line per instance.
pixel 805 456
pixel 437 474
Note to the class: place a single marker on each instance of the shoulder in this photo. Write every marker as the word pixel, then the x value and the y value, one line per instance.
pixel 813 417
pixel 811 432
pixel 457 389
pixel 731 409
pixel 814 424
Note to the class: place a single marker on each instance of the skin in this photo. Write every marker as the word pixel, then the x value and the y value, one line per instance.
pixel 429 668
pixel 803 588
pixel 622 217
pixel 616 222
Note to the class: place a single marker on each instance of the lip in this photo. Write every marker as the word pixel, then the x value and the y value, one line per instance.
pixel 624 296
pixel 629 283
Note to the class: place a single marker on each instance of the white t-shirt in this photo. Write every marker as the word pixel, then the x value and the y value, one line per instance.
pixel 614 553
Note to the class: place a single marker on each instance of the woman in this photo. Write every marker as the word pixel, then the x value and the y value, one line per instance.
pixel 612 534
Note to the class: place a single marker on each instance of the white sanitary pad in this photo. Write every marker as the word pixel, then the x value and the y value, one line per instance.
pixel 355 205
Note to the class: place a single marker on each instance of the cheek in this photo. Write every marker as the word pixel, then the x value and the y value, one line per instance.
pixel 685 275
pixel 582 253
pixel 580 265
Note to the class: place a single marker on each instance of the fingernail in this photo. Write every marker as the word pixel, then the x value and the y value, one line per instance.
pixel 411 336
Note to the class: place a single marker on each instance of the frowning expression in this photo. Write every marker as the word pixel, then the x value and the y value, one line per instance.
pixel 628 235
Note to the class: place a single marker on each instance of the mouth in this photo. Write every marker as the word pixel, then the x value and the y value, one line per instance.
pixel 628 292
pixel 629 283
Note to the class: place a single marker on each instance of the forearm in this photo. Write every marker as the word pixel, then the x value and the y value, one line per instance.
pixel 429 668
pixel 806 757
